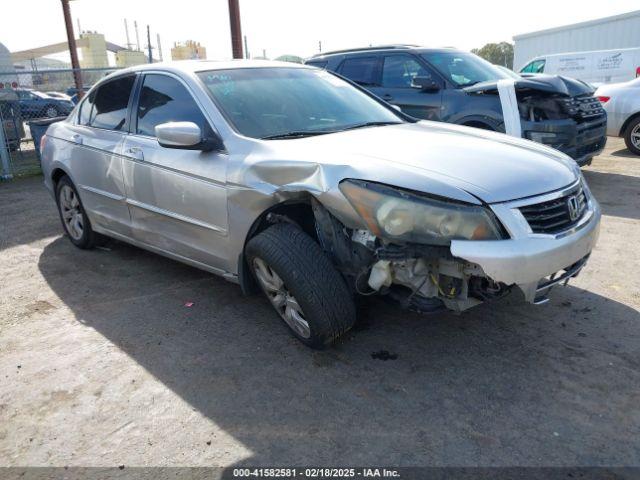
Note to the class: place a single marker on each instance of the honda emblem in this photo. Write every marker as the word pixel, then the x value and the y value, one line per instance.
pixel 572 206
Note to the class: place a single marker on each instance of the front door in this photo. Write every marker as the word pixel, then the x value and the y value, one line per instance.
pixel 398 71
pixel 177 198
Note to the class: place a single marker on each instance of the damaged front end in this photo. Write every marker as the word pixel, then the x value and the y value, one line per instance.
pixel 430 254
pixel 559 112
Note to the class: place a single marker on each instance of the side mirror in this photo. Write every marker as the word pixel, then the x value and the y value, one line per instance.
pixel 426 84
pixel 186 136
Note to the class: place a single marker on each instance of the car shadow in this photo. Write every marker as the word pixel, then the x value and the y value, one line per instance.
pixel 624 152
pixel 504 384
pixel 610 188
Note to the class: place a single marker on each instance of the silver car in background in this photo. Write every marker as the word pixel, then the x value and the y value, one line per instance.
pixel 291 180
pixel 622 103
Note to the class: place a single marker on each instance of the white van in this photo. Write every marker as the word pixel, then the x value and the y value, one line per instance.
pixel 596 67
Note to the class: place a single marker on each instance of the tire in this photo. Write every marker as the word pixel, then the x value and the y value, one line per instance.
pixel 307 277
pixel 51 111
pixel 85 237
pixel 632 136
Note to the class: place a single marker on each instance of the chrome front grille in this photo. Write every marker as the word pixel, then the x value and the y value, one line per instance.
pixel 557 215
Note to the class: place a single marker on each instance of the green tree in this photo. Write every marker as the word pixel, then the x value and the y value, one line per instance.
pixel 498 53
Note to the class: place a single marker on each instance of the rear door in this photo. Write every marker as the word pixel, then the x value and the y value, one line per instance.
pixel 96 141
pixel 398 72
pixel 177 198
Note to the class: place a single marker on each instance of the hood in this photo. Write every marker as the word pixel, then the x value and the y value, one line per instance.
pixel 539 82
pixel 424 156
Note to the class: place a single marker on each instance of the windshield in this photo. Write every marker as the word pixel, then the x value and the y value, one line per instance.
pixel 290 102
pixel 464 69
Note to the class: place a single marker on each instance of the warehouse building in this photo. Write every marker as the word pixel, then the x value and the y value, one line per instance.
pixel 619 31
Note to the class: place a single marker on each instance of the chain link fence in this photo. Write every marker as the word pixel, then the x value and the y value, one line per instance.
pixel 29 100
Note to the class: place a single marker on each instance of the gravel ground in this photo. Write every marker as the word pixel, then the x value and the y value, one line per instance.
pixel 102 363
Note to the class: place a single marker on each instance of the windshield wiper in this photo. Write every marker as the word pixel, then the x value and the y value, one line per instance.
pixel 296 134
pixel 369 124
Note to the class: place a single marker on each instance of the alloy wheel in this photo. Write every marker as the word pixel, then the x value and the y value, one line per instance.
pixel 635 136
pixel 71 212
pixel 281 298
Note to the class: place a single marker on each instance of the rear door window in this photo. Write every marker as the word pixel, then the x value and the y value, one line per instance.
pixel 165 99
pixel 362 70
pixel 110 104
pixel 319 64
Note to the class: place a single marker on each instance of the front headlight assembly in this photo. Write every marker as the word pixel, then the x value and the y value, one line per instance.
pixel 409 217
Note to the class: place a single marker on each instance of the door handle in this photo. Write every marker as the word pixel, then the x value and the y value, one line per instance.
pixel 77 138
pixel 135 152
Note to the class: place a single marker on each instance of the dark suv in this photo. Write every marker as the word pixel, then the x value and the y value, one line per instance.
pixel 452 86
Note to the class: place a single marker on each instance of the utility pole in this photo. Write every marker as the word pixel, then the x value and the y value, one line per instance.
pixel 149 44
pixel 246 48
pixel 71 39
pixel 320 46
pixel 236 29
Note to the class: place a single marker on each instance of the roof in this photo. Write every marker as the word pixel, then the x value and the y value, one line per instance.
pixel 191 66
pixel 589 23
pixel 381 48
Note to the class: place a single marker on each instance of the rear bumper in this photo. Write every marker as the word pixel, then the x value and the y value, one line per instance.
pixel 530 260
pixel 581 141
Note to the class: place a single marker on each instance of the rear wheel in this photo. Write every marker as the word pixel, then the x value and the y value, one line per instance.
pixel 632 136
pixel 302 285
pixel 74 219
pixel 51 111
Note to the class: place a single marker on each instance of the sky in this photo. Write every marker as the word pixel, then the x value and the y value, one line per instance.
pixel 296 26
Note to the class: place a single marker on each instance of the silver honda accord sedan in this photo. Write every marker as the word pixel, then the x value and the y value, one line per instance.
pixel 296 182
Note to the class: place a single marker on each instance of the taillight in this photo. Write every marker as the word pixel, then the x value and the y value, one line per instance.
pixel 604 100
pixel 43 142
pixel 637 72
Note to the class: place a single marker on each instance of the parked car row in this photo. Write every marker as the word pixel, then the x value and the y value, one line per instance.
pixel 35 104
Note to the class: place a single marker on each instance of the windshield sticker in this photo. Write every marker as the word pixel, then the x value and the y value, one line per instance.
pixel 224 84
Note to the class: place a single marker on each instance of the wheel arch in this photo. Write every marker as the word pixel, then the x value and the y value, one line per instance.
pixel 297 211
pixel 628 122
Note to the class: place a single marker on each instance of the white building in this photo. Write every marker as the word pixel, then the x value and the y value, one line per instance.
pixel 619 31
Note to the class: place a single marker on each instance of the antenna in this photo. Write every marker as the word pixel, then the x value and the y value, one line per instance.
pixel 126 30
pixel 135 26
pixel 159 48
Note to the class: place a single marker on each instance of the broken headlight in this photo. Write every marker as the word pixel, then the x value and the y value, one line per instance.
pixel 404 216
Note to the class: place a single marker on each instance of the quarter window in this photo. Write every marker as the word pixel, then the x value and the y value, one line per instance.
pixel 399 71
pixel 110 104
pixel 164 99
pixel 86 109
pixel 361 70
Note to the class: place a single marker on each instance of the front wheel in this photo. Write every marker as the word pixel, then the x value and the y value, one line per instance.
pixel 302 285
pixel 51 111
pixel 632 136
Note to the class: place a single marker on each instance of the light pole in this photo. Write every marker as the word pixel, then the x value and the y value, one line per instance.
pixel 71 39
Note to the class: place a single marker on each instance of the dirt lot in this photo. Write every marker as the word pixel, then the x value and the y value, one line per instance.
pixel 102 363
